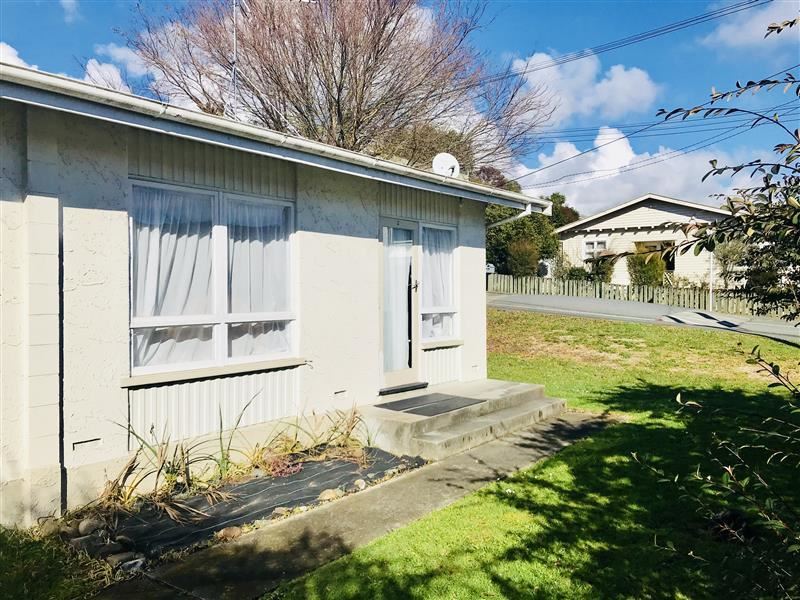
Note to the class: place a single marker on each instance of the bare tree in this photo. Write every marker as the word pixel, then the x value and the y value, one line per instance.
pixel 366 75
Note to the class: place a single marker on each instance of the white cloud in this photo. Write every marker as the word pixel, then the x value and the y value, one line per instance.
pixel 746 29
pixel 590 193
pixel 105 75
pixel 70 8
pixel 9 54
pixel 580 88
pixel 122 55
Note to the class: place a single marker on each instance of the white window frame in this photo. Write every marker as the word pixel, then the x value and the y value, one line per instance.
pixel 589 254
pixel 452 309
pixel 219 318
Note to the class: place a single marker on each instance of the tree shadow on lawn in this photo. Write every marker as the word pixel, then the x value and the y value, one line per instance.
pixel 617 511
pixel 594 519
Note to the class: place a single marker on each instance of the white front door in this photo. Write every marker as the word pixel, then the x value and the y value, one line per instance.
pixel 400 303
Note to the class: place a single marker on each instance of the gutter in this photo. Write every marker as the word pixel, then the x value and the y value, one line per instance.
pixel 525 213
pixel 71 96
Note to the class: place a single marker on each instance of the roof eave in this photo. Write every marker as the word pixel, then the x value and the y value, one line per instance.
pixel 76 97
pixel 629 203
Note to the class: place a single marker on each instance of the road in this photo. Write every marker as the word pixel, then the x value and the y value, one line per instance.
pixel 644 312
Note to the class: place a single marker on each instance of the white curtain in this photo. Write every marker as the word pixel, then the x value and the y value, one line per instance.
pixel 171 264
pixel 258 339
pixel 258 257
pixel 437 282
pixel 397 278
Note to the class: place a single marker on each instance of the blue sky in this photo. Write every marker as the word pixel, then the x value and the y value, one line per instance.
pixel 619 87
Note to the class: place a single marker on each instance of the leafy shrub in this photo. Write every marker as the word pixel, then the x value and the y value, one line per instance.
pixel 523 258
pixel 601 270
pixel 646 269
pixel 577 273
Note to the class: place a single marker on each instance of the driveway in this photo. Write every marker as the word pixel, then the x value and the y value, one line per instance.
pixel 644 312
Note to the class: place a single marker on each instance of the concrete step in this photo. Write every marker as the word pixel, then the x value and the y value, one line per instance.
pixel 394 430
pixel 463 435
pixel 493 401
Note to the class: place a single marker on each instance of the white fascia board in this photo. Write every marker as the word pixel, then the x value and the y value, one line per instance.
pixel 174 126
pixel 635 201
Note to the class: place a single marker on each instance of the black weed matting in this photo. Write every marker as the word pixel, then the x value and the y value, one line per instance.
pixel 430 405
pixel 152 532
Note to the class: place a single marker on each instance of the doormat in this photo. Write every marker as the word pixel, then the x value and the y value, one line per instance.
pixel 152 533
pixel 430 405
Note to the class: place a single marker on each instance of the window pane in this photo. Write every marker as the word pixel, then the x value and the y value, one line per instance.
pixel 258 257
pixel 437 325
pixel 172 345
pixel 257 339
pixel 601 245
pixel 171 253
pixel 437 267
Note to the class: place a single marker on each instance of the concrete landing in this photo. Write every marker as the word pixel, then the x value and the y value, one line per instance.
pixel 446 419
pixel 260 561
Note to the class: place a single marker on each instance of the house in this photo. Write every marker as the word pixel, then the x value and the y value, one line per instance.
pixel 643 224
pixel 162 268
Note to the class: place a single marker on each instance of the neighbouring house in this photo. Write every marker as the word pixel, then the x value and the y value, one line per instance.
pixel 643 224
pixel 161 267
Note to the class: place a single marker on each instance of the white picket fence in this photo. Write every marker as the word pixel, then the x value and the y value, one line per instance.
pixel 674 296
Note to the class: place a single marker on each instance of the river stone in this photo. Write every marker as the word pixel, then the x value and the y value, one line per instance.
pixel 70 530
pixel 122 557
pixel 50 526
pixel 89 525
pixel 90 544
pixel 229 533
pixel 281 511
pixel 330 494
pixel 109 548
pixel 133 566
pixel 125 541
pixel 360 484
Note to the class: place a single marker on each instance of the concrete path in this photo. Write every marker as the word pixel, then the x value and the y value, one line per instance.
pixel 258 562
pixel 645 312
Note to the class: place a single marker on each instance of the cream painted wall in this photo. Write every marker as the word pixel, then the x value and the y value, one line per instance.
pixel 694 268
pixel 78 187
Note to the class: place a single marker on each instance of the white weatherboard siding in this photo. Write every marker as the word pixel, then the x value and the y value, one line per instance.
pixel 643 223
pixel 70 178
pixel 441 365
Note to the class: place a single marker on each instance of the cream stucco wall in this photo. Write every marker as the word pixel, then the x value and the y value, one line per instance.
pixel 64 354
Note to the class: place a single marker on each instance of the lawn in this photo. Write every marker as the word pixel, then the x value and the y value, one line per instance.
pixel 589 522
pixel 45 568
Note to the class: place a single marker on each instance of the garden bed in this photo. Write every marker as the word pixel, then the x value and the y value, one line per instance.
pixel 129 539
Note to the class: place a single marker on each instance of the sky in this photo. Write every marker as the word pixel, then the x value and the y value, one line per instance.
pixel 596 95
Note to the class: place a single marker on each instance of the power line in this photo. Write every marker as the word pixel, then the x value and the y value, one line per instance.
pixel 627 41
pixel 649 161
pixel 668 124
pixel 601 136
pixel 628 135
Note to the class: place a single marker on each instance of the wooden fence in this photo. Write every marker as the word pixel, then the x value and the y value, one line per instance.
pixel 683 297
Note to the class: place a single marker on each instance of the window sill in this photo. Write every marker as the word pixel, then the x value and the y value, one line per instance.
pixel 209 372
pixel 437 344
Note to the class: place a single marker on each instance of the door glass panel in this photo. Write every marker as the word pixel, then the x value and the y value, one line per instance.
pixel 397 247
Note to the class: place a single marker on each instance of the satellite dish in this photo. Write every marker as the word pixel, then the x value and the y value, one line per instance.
pixel 446 164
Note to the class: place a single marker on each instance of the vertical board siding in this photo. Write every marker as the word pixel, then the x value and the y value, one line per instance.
pixel 696 298
pixel 191 409
pixel 417 205
pixel 171 159
pixel 441 365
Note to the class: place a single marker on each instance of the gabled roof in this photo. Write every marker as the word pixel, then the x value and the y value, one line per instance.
pixel 56 92
pixel 631 203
